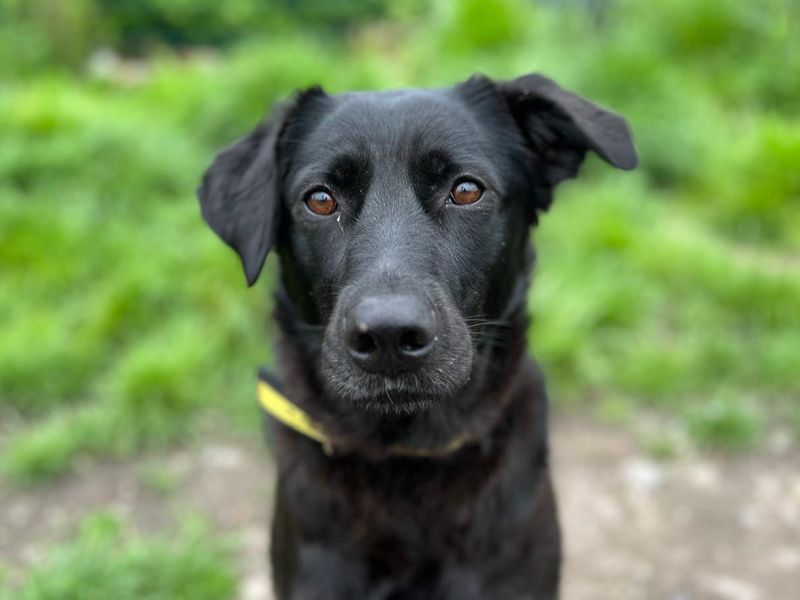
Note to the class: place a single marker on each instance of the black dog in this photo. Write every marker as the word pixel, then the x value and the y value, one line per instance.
pixel 401 221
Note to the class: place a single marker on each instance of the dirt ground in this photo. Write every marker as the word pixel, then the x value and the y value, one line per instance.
pixel 695 527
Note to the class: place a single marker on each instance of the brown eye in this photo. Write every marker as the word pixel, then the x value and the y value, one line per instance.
pixel 466 192
pixel 321 202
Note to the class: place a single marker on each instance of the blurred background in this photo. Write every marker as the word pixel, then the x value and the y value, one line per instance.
pixel 666 305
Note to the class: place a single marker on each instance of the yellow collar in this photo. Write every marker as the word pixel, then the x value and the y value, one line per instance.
pixel 280 407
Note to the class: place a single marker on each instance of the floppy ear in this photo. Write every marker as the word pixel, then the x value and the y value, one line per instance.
pixel 560 127
pixel 240 192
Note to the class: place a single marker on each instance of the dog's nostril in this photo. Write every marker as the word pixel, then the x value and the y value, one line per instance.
pixel 413 340
pixel 364 343
pixel 389 334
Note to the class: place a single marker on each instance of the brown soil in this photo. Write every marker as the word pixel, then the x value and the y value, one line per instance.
pixel 696 527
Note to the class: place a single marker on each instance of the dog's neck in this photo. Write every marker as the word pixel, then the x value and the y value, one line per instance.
pixel 467 414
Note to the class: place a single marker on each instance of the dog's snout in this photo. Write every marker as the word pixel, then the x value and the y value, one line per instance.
pixel 389 334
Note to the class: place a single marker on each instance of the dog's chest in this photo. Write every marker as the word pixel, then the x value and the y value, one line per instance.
pixel 407 509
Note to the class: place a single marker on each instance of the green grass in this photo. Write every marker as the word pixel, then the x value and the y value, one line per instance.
pixel 124 321
pixel 651 303
pixel 105 560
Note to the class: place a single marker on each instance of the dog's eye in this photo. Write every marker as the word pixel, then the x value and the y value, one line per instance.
pixel 321 202
pixel 466 191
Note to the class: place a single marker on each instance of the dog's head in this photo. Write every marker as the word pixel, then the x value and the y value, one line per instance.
pixel 401 218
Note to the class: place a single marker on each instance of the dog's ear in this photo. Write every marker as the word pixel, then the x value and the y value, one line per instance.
pixel 560 127
pixel 240 192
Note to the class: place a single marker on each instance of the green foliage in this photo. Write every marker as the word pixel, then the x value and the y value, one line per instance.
pixel 47 33
pixel 762 203
pixel 660 447
pixel 106 561
pixel 42 32
pixel 725 423
pixel 122 318
pixel 664 315
pixel 100 235
pixel 160 479
pixel 484 25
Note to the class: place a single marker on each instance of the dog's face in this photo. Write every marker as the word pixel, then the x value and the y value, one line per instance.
pixel 401 219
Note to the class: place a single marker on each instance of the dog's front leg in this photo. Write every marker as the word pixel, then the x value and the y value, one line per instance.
pixel 324 574
pixel 458 583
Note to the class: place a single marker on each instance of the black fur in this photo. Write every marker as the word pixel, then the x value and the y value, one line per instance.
pixel 481 521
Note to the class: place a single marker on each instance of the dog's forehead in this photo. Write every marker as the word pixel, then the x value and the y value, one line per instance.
pixel 396 121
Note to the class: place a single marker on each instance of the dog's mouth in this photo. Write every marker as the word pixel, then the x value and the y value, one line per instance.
pixel 398 395
pixel 397 402
pixel 396 353
pixel 416 391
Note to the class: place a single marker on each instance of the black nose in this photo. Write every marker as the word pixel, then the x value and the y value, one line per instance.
pixel 390 334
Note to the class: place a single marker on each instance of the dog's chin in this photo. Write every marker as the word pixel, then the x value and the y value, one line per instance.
pixel 408 393
pixel 392 398
pixel 397 403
